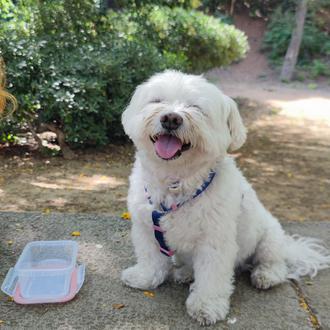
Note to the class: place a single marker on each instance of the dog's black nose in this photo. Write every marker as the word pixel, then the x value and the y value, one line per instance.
pixel 171 121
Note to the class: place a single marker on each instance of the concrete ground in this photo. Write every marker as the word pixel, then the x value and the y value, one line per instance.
pixel 105 249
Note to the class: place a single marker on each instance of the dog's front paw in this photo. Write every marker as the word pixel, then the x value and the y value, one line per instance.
pixel 140 277
pixel 207 310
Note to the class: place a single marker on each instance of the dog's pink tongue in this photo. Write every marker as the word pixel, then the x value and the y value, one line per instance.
pixel 167 146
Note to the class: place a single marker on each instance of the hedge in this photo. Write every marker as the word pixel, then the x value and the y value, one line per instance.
pixel 74 70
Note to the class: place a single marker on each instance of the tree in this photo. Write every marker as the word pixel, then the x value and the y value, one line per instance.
pixel 292 52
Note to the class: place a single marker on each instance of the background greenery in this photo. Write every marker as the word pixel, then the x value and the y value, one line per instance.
pixel 74 66
pixel 75 63
pixel 314 54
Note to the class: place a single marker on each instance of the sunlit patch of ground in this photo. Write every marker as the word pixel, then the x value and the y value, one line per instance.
pixel 312 108
pixel 79 182
pixel 95 182
pixel 287 159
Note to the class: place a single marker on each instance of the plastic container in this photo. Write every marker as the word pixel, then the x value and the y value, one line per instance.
pixel 45 272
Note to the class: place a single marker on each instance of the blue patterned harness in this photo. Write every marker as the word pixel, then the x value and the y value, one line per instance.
pixel 157 215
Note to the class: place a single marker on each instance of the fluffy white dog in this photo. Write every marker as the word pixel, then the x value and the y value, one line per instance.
pixel 188 198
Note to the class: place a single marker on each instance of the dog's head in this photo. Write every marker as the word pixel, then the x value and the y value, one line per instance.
pixel 176 117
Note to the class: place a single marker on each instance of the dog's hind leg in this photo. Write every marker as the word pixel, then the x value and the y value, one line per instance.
pixel 269 263
pixel 152 267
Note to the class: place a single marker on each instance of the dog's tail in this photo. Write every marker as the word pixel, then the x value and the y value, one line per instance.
pixel 305 256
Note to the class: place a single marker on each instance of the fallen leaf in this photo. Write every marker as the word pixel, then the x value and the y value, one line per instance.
pixel 46 211
pixel 10 299
pixel 2 321
pixel 304 305
pixel 10 242
pixel 149 294
pixel 315 321
pixel 75 233
pixel 290 175
pixel 126 216
pixel 118 306
pixel 309 283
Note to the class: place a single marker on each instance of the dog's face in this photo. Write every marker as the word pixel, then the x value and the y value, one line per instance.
pixel 179 118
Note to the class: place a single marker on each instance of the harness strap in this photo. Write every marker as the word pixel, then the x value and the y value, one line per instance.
pixel 157 215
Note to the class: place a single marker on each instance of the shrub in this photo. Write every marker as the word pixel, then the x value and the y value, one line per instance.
pixel 74 70
pixel 82 90
pixel 204 40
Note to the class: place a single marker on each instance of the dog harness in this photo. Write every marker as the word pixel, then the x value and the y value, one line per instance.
pixel 157 215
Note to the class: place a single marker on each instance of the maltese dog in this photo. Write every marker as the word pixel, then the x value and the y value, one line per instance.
pixel 194 215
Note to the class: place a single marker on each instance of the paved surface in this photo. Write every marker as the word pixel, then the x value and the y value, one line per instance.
pixel 105 248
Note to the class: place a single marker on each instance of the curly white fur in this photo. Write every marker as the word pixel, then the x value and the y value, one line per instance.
pixel 227 224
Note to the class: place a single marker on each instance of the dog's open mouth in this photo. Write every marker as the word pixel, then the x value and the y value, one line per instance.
pixel 168 146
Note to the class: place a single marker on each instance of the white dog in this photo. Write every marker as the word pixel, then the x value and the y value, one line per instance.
pixel 188 193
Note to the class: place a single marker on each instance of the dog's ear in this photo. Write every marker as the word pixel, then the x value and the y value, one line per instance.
pixel 236 127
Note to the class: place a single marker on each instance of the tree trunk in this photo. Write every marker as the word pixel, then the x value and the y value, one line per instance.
pixel 232 7
pixel 293 49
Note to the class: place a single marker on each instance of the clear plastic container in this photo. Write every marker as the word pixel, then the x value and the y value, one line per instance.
pixel 44 271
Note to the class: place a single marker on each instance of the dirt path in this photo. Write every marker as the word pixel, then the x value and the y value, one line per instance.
pixel 95 182
pixel 287 159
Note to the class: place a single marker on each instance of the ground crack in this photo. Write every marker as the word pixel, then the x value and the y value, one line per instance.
pixel 305 305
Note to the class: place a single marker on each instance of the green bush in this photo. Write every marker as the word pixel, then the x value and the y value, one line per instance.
pixel 204 40
pixel 82 90
pixel 75 69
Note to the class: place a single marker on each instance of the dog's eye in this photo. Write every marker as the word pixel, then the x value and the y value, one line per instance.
pixel 200 110
pixel 156 101
pixel 194 106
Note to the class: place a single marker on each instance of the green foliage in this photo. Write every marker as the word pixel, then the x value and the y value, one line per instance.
pixel 74 68
pixel 255 8
pixel 278 34
pixel 202 39
pixel 117 4
pixel 315 45
pixel 8 138
pixel 319 68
